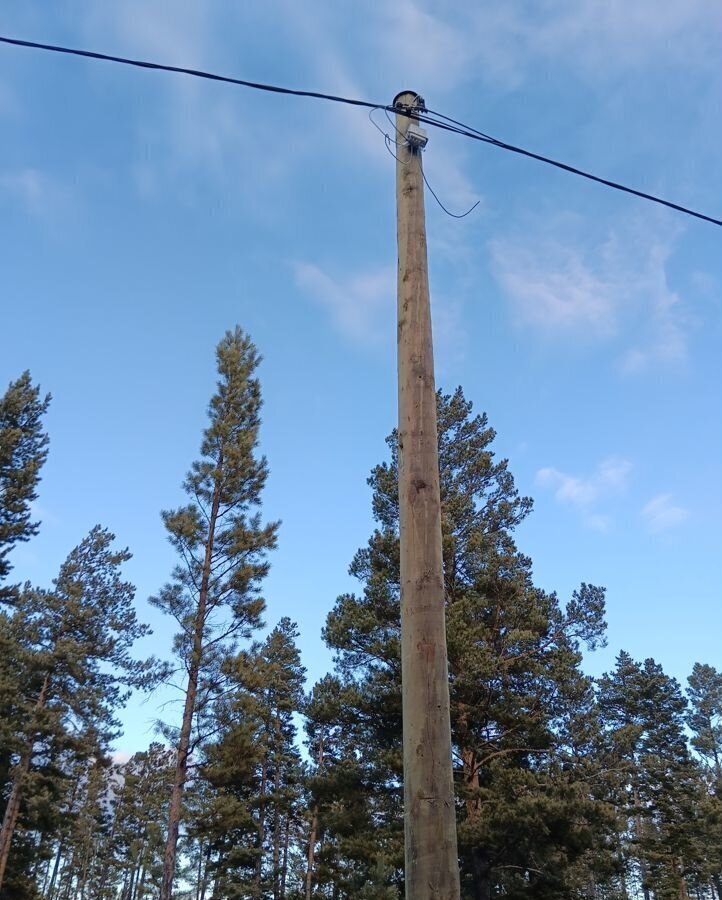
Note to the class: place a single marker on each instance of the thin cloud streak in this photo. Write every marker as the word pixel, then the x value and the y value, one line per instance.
pixel 662 513
pixel 615 289
pixel 585 492
pixel 359 304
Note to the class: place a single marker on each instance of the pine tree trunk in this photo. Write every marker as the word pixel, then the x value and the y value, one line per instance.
pixel 261 827
pixel 284 864
pixel 39 861
pixel 622 867
pixel 313 837
pixel 715 752
pixel 276 833
pixel 46 875
pixel 82 880
pixel 134 876
pixel 682 893
pixel 67 886
pixel 204 883
pixel 181 770
pixel 182 756
pixel 140 866
pixel 56 867
pixel 592 889
pixel 638 833
pixel 718 886
pixel 199 875
pixel 623 882
pixel 12 810
pixel 480 871
pixel 481 874
pixel 124 886
pixel 311 851
pixel 105 881
pixel 140 890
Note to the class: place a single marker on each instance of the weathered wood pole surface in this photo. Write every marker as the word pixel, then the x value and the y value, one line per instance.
pixel 432 867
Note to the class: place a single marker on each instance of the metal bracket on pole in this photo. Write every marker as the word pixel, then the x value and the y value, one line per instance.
pixel 419 102
pixel 416 137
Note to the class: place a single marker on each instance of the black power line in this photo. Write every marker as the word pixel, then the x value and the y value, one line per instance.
pixel 472 133
pixel 429 117
pixel 181 70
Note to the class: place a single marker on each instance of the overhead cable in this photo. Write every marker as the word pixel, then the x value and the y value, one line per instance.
pixel 429 117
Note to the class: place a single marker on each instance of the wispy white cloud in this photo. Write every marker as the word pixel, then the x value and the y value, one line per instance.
pixel 661 513
pixel 598 41
pixel 446 168
pixel 442 51
pixel 168 32
pixel 666 339
pixel 614 289
pixel 362 307
pixel 621 33
pixel 444 63
pixel 342 125
pixel 585 492
pixel 38 193
pixel 41 513
pixel 553 288
pixel 186 126
pixel 505 43
pixel 359 304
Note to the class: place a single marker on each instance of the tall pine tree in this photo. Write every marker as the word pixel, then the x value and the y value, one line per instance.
pixel 139 820
pixel 705 715
pixel 23 451
pixel 222 545
pixel 514 665
pixel 644 712
pixel 705 722
pixel 252 819
pixel 74 644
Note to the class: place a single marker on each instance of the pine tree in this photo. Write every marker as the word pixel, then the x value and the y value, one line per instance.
pixel 514 660
pixel 58 872
pixel 222 545
pixel 85 871
pixel 75 642
pixel 139 818
pixel 23 451
pixel 705 722
pixel 705 716
pixel 644 711
pixel 355 832
pixel 254 770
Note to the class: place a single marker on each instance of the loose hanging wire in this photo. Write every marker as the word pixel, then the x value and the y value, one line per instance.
pixel 388 141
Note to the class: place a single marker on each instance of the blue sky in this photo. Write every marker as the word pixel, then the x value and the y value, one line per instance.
pixel 143 214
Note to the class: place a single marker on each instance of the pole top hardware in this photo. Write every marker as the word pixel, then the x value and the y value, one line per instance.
pixel 416 136
pixel 417 104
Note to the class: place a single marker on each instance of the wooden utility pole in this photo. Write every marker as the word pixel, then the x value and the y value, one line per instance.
pixel 432 864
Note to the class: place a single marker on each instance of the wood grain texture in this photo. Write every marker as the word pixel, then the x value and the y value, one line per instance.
pixel 432 869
